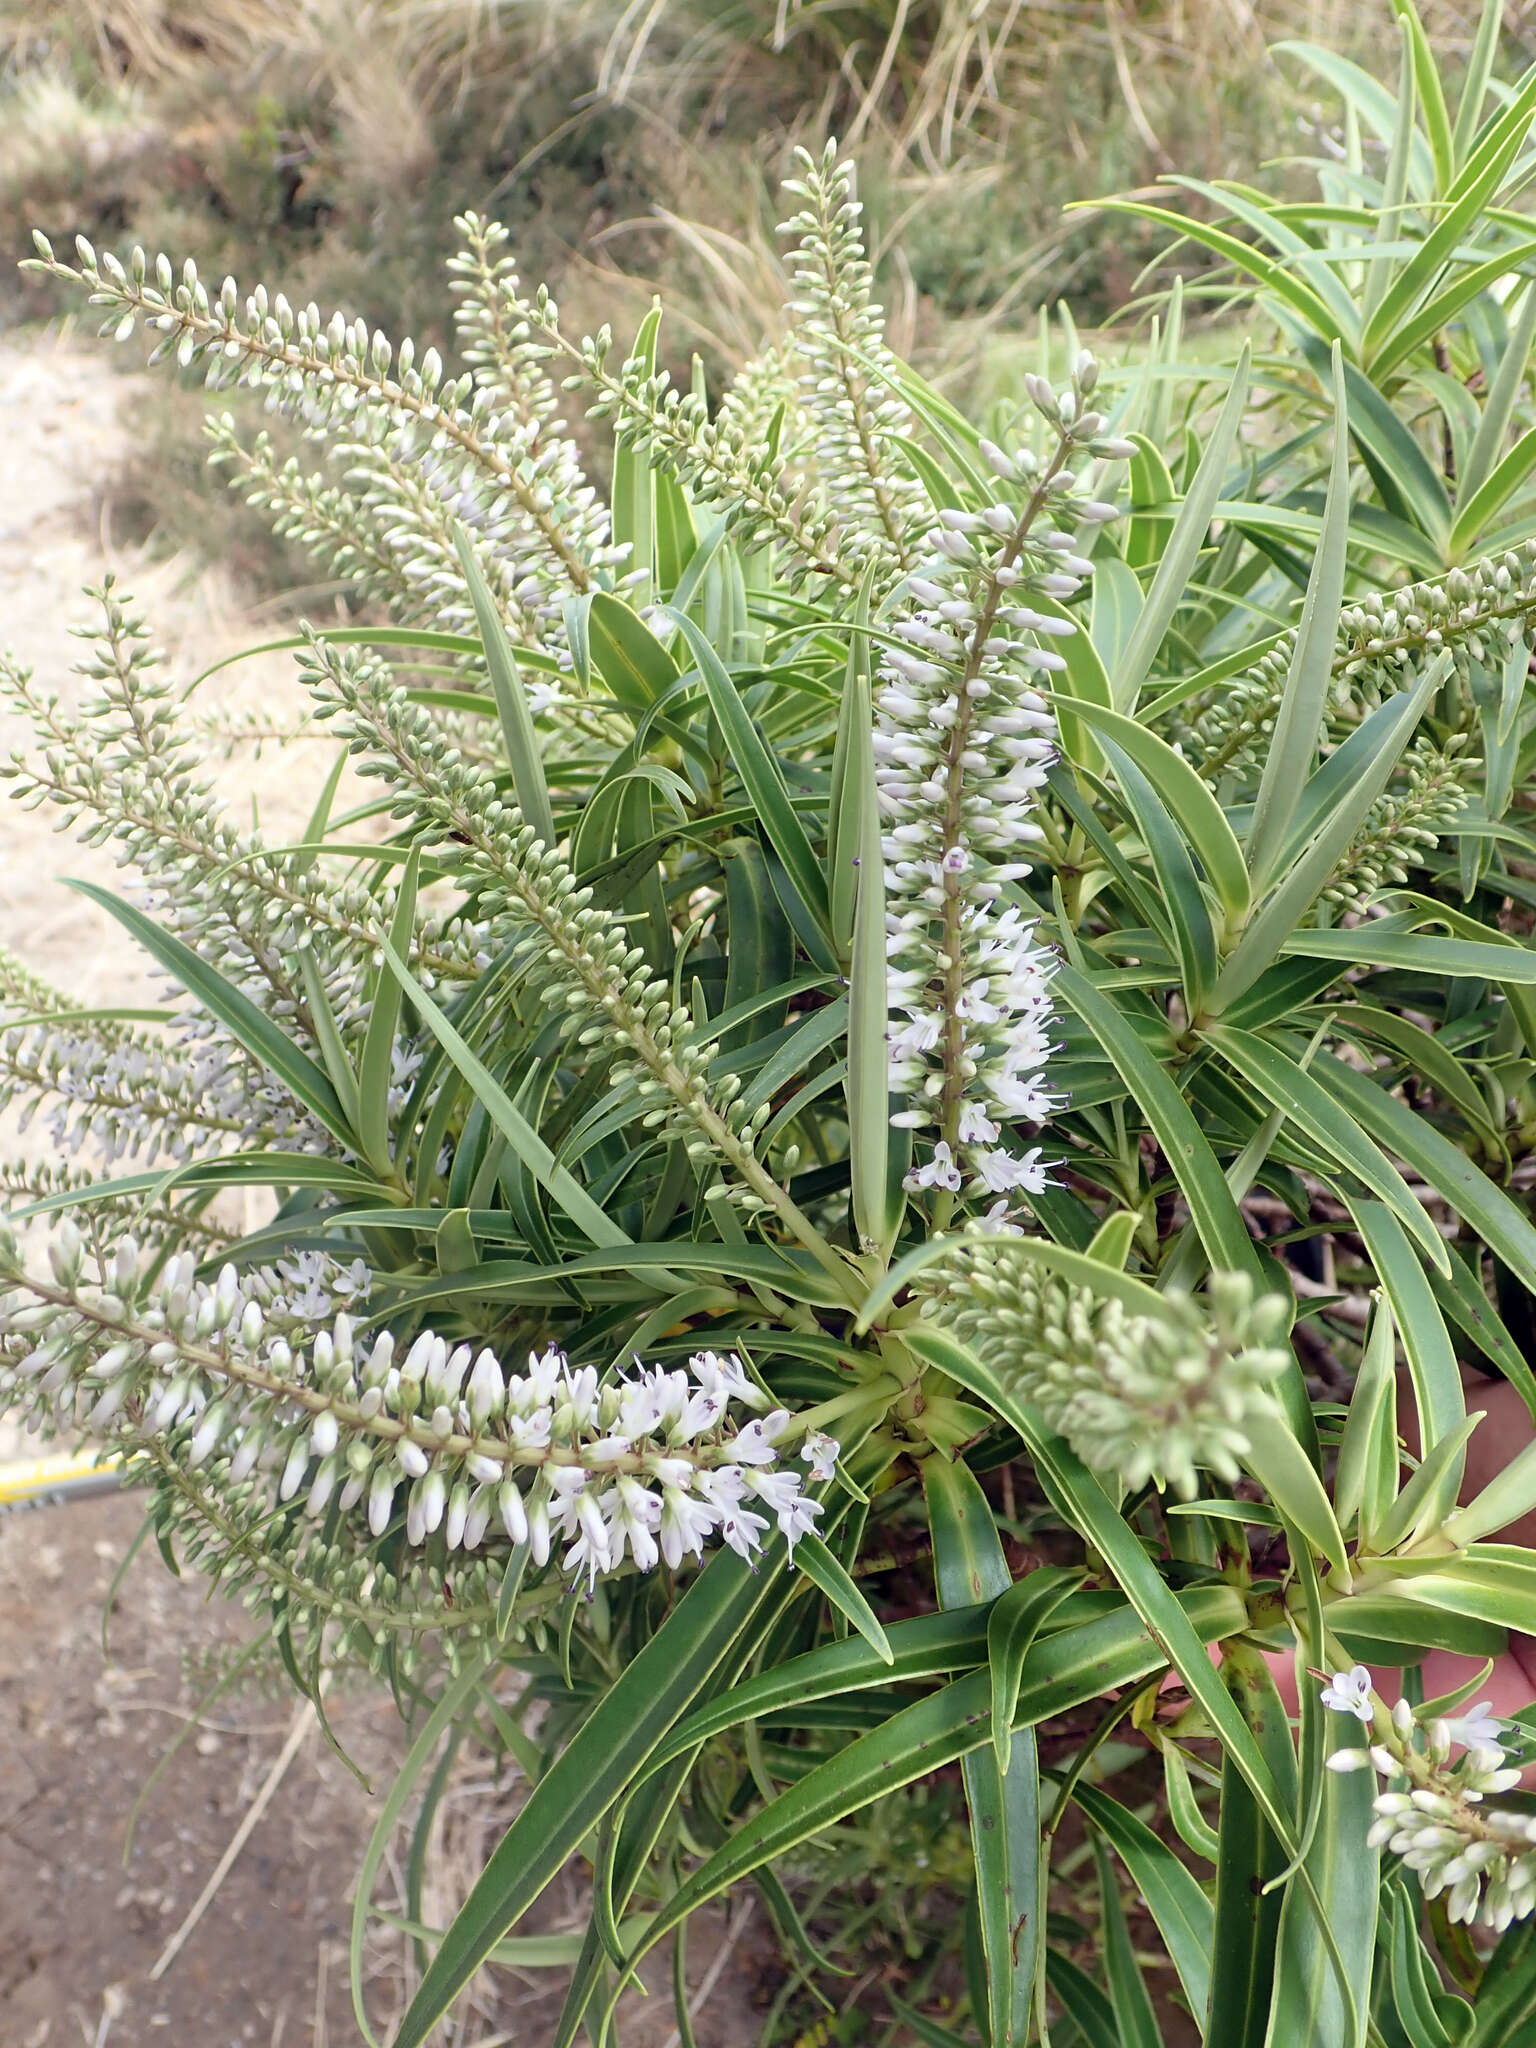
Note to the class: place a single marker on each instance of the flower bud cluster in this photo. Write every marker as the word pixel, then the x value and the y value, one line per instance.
pixel 647 1466
pixel 583 954
pixel 1479 613
pixel 1155 1397
pixel 120 764
pixel 424 446
pixel 963 742
pixel 1432 1813
pixel 847 384
pixel 1405 823
pixel 721 461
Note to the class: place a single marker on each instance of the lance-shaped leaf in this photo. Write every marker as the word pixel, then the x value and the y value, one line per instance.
pixel 607 1755
pixel 1176 1902
pixel 759 771
pixel 518 735
pixel 1016 1619
pixel 1189 800
pixel 1003 1801
pixel 304 1079
pixel 1170 586
pixel 1286 1084
pixel 1299 720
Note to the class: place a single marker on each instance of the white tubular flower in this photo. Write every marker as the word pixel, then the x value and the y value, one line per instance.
pixel 1350 1693
pixel 640 1468
pixel 820 1452
pixel 1473 1726
pixel 963 743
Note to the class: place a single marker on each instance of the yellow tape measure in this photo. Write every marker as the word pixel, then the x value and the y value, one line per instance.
pixel 66 1475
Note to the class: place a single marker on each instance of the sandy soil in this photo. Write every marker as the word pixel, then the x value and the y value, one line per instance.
pixel 65 418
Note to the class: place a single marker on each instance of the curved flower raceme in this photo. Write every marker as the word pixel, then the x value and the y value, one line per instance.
pixel 648 1466
pixel 1148 1397
pixel 963 742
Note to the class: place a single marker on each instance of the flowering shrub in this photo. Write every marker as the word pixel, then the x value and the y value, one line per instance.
pixel 902 1118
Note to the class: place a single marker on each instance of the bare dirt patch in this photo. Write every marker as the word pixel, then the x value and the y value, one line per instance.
pixel 80 1736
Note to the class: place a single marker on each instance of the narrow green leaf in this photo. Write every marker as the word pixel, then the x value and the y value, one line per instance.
pixel 272 1048
pixel 1288 1086
pixel 1506 1998
pixel 611 1748
pixel 759 771
pixel 511 1586
pixel 1503 1227
pixel 928 2031
pixel 1372 101
pixel 1135 2021
pixel 1178 1904
pixel 1474 84
pixel 1302 255
pixel 1378 742
pixel 1431 1356
pixel 1252 1853
pixel 1484 504
pixel 328 1035
pixel 1170 586
pixel 1306 2003
pixel 1003 1800
pixel 1394 188
pixel 625 652
pixel 1298 722
pixel 1425 1053
pixel 1217 1217
pixel 1505 1499
pixel 1473 187
pixel 375 1071
pixel 633 496
pixel 823 1569
pixel 1250 262
pixel 517 730
pixel 1498 410
pixel 1365 1480
pixel 1190 1824
pixel 1464 1299
pixel 1430 1494
pixel 1017 1616
pixel 508 1119
pixel 1186 796
pixel 1068 1666
pixel 1413 951
pixel 1465 288
pixel 1431 94
pixel 319 818
pixel 1287 1475
pixel 1111 1242
pixel 1084 2003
